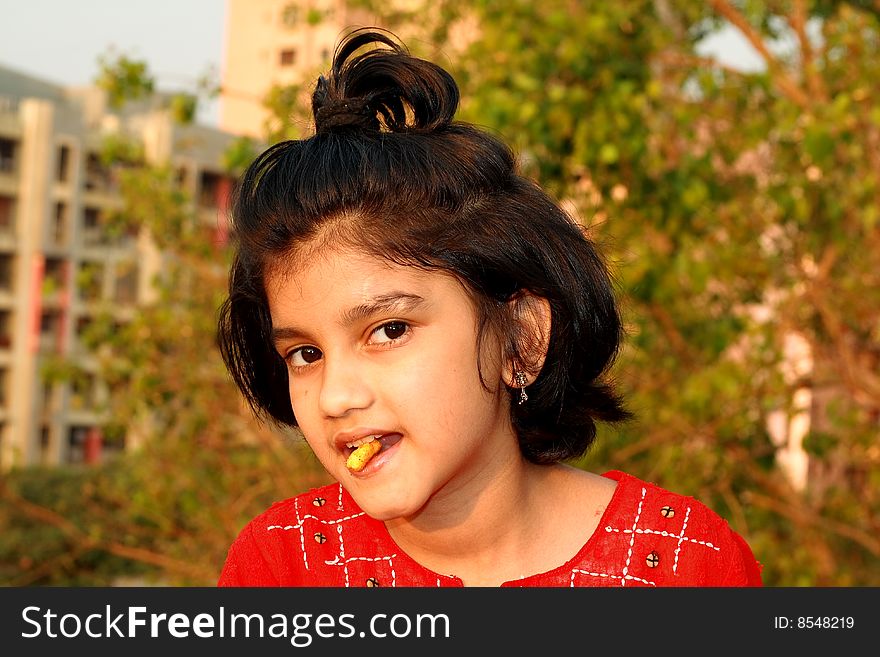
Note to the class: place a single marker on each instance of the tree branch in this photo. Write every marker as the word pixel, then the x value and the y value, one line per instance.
pixel 686 60
pixel 783 81
pixel 798 23
pixel 673 335
pixel 83 542
pixel 804 517
pixel 862 382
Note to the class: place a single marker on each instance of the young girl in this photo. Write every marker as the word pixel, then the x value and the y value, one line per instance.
pixel 438 329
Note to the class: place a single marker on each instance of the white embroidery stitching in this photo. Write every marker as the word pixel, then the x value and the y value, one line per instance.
pixel 634 530
pixel 336 561
pixel 632 577
pixel 623 577
pixel 308 516
pixel 633 538
pixel 664 533
pixel 681 539
pixel 302 538
pixel 342 553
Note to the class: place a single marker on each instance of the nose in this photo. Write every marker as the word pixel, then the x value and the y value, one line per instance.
pixel 343 388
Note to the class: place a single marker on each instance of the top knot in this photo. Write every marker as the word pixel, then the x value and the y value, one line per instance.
pixel 354 113
pixel 383 89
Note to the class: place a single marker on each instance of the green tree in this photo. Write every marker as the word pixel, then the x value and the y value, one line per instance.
pixel 739 211
pixel 200 466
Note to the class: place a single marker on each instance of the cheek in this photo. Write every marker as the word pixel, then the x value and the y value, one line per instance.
pixel 450 383
pixel 300 402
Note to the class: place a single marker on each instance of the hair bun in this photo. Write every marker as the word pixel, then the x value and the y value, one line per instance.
pixel 382 89
pixel 356 112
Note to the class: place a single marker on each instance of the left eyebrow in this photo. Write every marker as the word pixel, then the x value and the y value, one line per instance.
pixel 395 302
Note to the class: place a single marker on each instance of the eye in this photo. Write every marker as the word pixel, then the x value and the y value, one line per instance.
pixel 304 356
pixel 389 332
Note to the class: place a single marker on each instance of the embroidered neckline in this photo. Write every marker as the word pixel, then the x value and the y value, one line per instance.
pixel 616 500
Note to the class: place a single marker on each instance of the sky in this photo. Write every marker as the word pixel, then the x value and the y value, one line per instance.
pixel 60 41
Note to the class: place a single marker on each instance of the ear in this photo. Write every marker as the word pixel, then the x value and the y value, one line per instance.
pixel 533 318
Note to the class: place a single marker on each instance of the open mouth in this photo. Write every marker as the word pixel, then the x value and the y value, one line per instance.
pixel 360 452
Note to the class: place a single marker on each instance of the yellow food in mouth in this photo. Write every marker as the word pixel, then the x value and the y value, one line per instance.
pixel 359 458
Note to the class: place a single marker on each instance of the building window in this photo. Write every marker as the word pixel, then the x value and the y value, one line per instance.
pixel 7 271
pixel 92 228
pixel 53 276
pixel 7 215
pixel 50 330
pixel 76 444
pixel 45 444
pixel 48 396
pixel 126 283
pixel 82 329
pixel 213 190
pixel 7 156
pixel 59 224
pixel 63 171
pixel 84 445
pixel 4 388
pixel 82 392
pixel 98 176
pixel 287 57
pixel 5 329
pixel 90 281
pixel 290 15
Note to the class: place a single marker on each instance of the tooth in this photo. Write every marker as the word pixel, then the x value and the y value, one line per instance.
pixel 362 441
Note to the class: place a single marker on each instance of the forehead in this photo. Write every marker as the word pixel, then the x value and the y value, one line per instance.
pixel 339 278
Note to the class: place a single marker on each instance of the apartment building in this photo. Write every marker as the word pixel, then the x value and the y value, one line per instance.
pixel 58 262
pixel 277 42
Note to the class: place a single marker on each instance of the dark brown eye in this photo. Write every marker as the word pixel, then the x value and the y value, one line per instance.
pixel 305 356
pixel 310 354
pixel 389 332
pixel 395 330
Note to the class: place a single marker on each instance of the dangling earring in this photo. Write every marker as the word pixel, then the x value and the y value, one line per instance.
pixel 521 381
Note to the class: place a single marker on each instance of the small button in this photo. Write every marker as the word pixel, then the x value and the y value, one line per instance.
pixel 653 560
pixel 667 512
pixel 372 582
pixel 319 537
pixel 319 501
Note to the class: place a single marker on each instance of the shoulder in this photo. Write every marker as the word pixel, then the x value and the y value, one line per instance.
pixel 676 540
pixel 274 548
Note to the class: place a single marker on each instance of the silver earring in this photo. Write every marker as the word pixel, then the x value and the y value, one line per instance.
pixel 521 381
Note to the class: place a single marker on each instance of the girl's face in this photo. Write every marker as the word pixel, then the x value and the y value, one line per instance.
pixel 374 348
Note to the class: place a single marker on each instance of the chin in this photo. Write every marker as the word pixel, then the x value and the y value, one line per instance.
pixel 387 506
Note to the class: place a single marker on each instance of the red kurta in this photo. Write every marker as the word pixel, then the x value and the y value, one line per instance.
pixel 647 537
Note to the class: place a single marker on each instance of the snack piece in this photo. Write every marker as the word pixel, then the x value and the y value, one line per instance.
pixel 359 458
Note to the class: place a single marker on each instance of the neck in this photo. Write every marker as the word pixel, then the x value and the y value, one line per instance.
pixel 479 529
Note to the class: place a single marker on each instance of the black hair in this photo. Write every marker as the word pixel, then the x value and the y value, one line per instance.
pixel 389 171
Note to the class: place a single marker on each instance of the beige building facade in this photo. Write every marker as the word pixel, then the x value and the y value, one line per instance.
pixel 276 42
pixel 58 263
